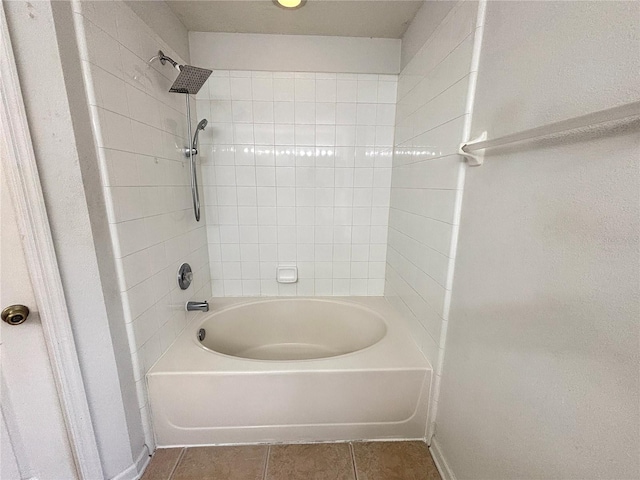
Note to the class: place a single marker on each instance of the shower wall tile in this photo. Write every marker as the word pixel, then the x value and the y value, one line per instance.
pixel 429 125
pixel 297 170
pixel 140 128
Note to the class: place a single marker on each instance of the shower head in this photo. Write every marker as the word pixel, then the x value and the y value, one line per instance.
pixel 190 79
pixel 201 124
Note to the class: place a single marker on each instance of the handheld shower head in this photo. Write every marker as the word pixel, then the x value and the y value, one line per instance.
pixel 201 125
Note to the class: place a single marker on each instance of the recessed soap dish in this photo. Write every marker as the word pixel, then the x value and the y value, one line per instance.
pixel 287 274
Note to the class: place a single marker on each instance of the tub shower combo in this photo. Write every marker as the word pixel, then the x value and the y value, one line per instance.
pixel 285 369
pixel 291 370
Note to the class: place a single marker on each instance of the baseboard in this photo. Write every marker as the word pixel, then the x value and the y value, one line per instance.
pixel 136 469
pixel 441 464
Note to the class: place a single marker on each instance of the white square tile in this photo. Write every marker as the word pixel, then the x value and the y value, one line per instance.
pixel 305 135
pixel 267 215
pixel 285 176
pixel 367 91
pixel 323 234
pixel 251 287
pixel 262 89
pixel 219 88
pixel 341 269
pixel 326 90
pixel 246 196
pixel 266 196
pixel 267 235
pixel 364 157
pixel 286 216
pixel 366 114
pixel 323 287
pixel 325 135
pixel 305 197
pixel 245 176
pixel 244 155
pixel 248 235
pixel 305 253
pixel 243 133
pixel 242 111
pixel 385 114
pixel 284 112
pixel 283 89
pixel 345 135
pixel 387 92
pixel 241 89
pixel 346 113
pixel 220 111
pixel 323 253
pixel 265 177
pixel 263 112
pixel 263 134
pixel 326 113
pixel 359 252
pixel 305 113
pixel 305 90
pixel 347 90
pixel 284 135
pixel 268 287
pixel 384 136
pixel 366 136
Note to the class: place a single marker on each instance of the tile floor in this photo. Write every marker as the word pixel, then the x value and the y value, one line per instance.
pixel 324 461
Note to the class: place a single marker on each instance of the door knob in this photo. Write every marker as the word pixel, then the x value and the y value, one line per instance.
pixel 15 314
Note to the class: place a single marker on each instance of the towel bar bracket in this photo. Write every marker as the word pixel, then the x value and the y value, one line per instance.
pixel 475 158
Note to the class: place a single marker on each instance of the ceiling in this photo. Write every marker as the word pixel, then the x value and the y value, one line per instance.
pixel 359 18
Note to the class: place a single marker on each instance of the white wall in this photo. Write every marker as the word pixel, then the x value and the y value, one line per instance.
pixel 140 129
pixel 422 27
pixel 166 24
pixel 297 172
pixel 541 369
pixel 45 48
pixel 295 53
pixel 431 115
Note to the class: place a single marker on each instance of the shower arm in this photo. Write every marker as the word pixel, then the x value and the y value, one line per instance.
pixel 191 153
pixel 163 59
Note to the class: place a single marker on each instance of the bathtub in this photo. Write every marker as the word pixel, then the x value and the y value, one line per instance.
pixel 290 370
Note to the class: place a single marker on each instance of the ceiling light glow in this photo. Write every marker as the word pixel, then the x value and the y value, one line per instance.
pixel 289 4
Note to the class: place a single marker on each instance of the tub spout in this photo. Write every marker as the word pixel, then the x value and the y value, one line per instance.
pixel 202 306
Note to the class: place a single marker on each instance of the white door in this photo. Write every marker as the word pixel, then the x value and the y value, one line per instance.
pixel 34 441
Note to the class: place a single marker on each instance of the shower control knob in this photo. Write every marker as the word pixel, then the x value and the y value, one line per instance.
pixel 185 276
pixel 15 314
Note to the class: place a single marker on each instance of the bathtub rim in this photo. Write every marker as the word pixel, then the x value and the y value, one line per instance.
pixel 258 300
pixel 397 350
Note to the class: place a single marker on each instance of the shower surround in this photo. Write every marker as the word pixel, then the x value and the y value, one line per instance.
pixel 297 171
pixel 140 131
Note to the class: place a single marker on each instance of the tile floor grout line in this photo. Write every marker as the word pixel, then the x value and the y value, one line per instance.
pixel 175 467
pixel 353 461
pixel 266 463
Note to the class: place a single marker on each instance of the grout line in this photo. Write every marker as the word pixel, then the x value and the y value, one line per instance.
pixel 173 470
pixel 266 463
pixel 353 461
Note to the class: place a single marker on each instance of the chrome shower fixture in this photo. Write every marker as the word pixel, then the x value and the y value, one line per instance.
pixel 190 79
pixel 201 125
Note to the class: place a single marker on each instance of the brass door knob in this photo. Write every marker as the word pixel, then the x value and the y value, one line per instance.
pixel 15 314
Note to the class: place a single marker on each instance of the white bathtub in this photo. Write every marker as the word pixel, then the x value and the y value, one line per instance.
pixel 290 370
